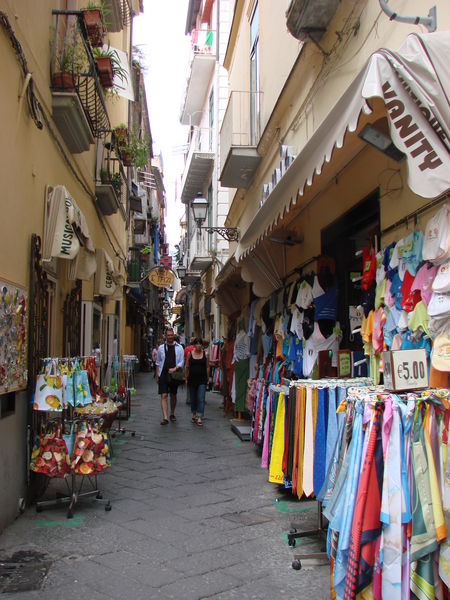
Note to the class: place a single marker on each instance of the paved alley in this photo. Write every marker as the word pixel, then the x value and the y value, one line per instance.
pixel 193 517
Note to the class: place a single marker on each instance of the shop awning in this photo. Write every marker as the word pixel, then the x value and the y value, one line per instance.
pixel 65 226
pixel 412 83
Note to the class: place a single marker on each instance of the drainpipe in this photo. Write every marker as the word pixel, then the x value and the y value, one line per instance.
pixel 217 312
pixel 429 22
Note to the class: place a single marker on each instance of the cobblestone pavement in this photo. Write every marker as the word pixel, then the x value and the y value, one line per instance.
pixel 193 517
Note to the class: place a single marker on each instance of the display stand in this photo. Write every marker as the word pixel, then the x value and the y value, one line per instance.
pixel 320 533
pixel 75 493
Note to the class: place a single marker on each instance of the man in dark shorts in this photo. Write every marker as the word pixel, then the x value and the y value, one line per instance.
pixel 169 358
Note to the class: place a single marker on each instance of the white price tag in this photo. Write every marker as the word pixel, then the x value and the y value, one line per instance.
pixel 405 369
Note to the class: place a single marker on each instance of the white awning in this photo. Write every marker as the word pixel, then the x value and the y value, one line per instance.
pixel 412 83
pixel 65 226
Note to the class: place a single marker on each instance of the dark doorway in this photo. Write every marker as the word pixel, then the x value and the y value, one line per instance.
pixel 343 240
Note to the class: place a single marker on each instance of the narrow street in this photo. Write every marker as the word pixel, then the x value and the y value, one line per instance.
pixel 192 517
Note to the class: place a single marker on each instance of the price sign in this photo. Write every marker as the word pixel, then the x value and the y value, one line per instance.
pixel 405 370
pixel 344 363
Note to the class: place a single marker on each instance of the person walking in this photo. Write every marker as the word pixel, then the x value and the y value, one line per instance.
pixel 169 358
pixel 154 355
pixel 187 351
pixel 196 374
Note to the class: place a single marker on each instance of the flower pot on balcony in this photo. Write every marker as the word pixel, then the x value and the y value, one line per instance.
pixel 92 18
pixel 126 157
pixel 120 137
pixel 105 71
pixel 63 81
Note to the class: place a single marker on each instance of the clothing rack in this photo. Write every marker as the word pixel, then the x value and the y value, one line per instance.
pixel 76 488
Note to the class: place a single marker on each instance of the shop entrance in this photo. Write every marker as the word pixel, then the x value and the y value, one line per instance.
pixel 343 240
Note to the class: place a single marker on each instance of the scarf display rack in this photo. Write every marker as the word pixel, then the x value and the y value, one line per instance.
pixel 308 413
pixel 382 482
pixel 70 446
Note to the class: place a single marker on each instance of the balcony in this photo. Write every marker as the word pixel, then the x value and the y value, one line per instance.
pixel 201 69
pixel 239 136
pixel 110 182
pixel 137 266
pixel 118 14
pixel 306 19
pixel 78 104
pixel 198 165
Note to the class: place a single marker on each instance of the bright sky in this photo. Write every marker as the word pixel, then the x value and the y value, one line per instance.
pixel 159 33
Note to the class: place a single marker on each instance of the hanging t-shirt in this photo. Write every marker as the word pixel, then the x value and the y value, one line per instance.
pixel 325 305
pixel 369 268
pixel 389 299
pixel 317 289
pixel 304 295
pixel 296 355
pixel 381 271
pixel 441 282
pixel 436 243
pixel 308 322
pixel 387 260
pixel 409 298
pixel 424 280
pixel 418 318
pixel 379 319
pixel 296 323
pixel 314 345
pixel 396 291
pixel 379 293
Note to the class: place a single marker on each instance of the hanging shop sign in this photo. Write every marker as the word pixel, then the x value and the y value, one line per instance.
pixel 405 369
pixel 13 338
pixel 104 283
pixel 161 277
pixel 176 310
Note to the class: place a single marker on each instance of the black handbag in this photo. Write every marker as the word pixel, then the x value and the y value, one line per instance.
pixel 176 377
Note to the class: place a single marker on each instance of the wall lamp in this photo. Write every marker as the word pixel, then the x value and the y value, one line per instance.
pixel 381 141
pixel 181 271
pixel 200 209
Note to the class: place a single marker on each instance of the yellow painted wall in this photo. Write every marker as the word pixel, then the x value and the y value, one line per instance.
pixel 316 83
pixel 29 161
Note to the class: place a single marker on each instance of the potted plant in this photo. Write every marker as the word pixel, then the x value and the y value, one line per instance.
pixel 113 179
pixel 120 133
pixel 109 66
pixel 93 15
pixel 133 150
pixel 70 62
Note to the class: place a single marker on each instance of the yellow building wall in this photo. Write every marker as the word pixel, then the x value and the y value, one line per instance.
pixel 317 82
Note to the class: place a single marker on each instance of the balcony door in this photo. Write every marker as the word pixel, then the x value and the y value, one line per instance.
pixel 255 104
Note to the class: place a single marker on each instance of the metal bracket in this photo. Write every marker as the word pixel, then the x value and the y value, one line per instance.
pixel 429 22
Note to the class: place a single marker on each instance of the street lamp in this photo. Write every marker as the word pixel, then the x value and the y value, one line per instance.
pixel 200 209
pixel 181 271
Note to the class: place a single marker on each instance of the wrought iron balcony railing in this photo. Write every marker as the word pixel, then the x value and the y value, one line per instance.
pixel 73 70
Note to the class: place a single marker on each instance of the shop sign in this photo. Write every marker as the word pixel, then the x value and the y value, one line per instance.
pixel 161 277
pixel 176 310
pixel 405 369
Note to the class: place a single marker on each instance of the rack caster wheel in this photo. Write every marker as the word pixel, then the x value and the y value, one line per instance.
pixel 292 543
pixel 133 433
pixel 296 565
pixel 99 496
pixel 38 508
pixel 108 507
pixel 70 515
